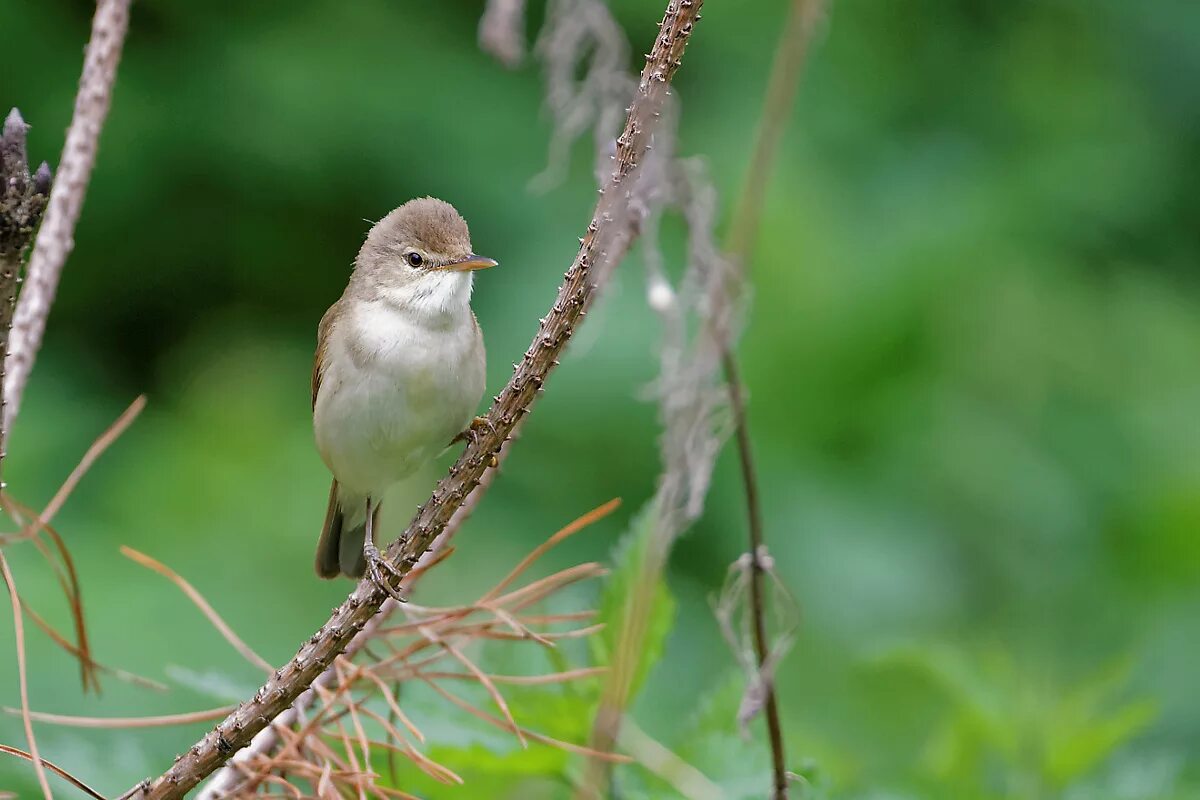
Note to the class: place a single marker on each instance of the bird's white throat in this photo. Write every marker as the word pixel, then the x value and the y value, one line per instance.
pixel 432 296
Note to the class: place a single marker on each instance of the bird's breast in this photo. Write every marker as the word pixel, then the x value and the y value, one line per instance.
pixel 395 391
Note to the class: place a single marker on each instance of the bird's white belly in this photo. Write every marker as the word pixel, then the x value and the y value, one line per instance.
pixel 393 398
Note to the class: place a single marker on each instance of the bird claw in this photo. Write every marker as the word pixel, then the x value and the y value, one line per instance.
pixel 473 432
pixel 376 566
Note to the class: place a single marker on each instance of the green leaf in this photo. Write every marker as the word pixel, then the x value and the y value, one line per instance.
pixel 1090 745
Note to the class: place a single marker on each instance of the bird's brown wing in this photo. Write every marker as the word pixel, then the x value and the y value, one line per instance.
pixel 323 331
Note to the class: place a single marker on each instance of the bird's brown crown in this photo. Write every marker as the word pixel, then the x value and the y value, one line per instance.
pixel 427 223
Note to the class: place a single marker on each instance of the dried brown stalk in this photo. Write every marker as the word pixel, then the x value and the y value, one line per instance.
pixel 803 18
pixel 122 723
pixel 607 235
pixel 94 451
pixel 57 770
pixel 19 633
pixel 34 525
pixel 55 240
pixel 90 665
pixel 205 608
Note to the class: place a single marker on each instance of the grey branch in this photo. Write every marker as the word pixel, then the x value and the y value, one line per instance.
pixel 607 235
pixel 56 239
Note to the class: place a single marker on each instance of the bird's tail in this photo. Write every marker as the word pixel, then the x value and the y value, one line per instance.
pixel 340 550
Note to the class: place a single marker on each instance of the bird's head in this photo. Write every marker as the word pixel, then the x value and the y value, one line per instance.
pixel 420 255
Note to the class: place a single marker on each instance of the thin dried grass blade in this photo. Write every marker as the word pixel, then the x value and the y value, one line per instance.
pixel 596 514
pixel 198 599
pixel 518 627
pixel 117 723
pixel 531 593
pixel 22 676
pixel 57 770
pixel 389 697
pixel 65 644
pixel 68 578
pixel 578 633
pixel 397 793
pixel 423 762
pixel 525 680
pixel 97 448
pixel 325 784
pixel 483 678
pixel 614 758
pixel 356 722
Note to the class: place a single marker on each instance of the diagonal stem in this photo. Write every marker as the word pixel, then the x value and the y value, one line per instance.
pixel 56 238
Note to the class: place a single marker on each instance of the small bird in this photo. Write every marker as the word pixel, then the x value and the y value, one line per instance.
pixel 398 373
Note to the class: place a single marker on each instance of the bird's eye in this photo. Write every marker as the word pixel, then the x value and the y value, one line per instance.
pixel 415 260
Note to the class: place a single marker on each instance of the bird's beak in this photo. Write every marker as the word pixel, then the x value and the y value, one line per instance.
pixel 469 264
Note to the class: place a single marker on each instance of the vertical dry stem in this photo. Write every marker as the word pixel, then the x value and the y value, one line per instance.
pixel 55 240
pixel 781 90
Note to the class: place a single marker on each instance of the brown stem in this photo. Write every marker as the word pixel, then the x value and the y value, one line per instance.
pixel 607 235
pixel 781 91
pixel 758 610
pixel 56 238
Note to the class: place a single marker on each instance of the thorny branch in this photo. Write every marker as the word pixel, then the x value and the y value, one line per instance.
pixel 55 240
pixel 607 236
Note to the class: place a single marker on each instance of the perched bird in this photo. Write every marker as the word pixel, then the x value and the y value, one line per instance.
pixel 398 373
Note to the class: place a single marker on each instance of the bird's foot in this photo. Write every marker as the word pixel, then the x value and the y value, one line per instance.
pixel 377 565
pixel 478 427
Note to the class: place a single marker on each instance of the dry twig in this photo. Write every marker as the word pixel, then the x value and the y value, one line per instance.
pixel 34 525
pixel 57 770
pixel 207 610
pixel 55 240
pixel 19 633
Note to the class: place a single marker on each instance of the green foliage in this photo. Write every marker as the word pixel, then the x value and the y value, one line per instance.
pixel 1033 737
pixel 972 360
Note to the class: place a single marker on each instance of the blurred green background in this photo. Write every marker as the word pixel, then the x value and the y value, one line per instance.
pixel 973 358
